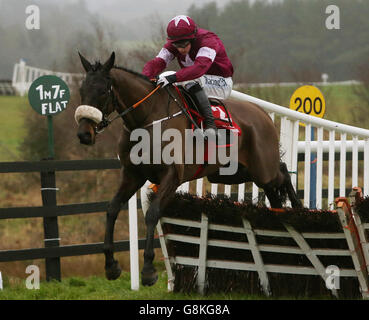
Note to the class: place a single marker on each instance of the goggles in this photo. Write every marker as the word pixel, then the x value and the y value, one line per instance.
pixel 181 44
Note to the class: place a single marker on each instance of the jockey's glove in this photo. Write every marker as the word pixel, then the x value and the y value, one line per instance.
pixel 164 79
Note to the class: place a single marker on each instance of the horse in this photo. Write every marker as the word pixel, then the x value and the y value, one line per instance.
pixel 108 88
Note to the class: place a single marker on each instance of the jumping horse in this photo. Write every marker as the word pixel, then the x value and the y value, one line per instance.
pixel 109 88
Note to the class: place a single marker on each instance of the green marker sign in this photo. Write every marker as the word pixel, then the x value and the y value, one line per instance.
pixel 48 96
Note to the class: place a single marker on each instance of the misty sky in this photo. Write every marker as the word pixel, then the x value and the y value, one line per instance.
pixel 130 22
pixel 133 16
pixel 129 10
pixel 136 15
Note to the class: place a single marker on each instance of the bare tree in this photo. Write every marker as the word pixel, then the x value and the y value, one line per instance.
pixel 146 51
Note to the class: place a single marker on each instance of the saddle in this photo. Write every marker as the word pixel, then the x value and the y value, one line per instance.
pixel 222 118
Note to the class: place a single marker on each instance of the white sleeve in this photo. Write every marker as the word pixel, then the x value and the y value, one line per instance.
pixel 166 55
pixel 207 52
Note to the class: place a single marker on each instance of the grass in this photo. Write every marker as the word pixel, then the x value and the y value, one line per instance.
pixel 98 288
pixel 12 129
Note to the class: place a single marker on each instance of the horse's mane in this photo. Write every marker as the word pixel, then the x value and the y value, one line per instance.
pixel 140 75
pixel 97 66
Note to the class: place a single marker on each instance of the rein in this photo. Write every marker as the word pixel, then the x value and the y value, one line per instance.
pixel 106 122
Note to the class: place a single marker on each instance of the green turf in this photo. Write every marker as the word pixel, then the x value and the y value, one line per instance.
pixel 99 288
pixel 12 129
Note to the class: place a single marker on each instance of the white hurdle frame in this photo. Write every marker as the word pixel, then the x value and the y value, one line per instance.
pixel 360 270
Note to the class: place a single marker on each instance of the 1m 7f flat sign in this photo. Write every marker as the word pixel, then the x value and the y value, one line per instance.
pixel 48 95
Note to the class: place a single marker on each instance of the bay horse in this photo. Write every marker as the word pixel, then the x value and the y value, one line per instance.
pixel 110 88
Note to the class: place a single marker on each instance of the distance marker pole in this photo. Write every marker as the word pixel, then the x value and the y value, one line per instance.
pixel 50 130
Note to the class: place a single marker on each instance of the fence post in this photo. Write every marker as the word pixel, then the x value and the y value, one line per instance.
pixel 51 228
pixel 354 244
pixel 133 243
pixel 22 86
pixel 313 159
pixel 201 274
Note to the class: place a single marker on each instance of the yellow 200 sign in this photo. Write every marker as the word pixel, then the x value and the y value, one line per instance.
pixel 308 100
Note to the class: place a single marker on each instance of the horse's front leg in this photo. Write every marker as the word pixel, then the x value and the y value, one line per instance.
pixel 129 184
pixel 168 186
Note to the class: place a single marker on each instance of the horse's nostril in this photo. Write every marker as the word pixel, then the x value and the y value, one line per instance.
pixel 84 137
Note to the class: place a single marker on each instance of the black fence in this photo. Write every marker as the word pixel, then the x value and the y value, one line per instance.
pixel 6 88
pixel 50 211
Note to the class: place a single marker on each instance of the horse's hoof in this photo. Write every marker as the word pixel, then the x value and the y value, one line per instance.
pixel 149 278
pixel 113 272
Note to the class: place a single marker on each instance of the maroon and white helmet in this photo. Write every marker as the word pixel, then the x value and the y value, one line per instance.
pixel 181 28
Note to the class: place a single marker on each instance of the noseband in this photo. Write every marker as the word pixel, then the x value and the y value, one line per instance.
pixel 100 127
pixel 100 118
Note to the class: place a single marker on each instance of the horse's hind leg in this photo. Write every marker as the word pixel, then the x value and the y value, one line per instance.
pixel 288 187
pixel 278 189
pixel 128 186
pixel 271 191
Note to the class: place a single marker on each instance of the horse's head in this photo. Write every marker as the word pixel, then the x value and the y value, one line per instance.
pixel 96 98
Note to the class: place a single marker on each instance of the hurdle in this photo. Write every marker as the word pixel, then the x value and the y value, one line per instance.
pixel 213 244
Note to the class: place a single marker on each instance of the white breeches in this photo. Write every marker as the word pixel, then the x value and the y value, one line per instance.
pixel 214 86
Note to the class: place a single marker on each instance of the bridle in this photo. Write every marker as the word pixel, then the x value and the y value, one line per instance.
pixel 105 122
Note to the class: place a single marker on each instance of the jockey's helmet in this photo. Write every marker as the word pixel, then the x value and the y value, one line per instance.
pixel 181 28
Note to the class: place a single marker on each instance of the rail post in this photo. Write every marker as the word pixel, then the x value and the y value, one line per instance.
pixel 51 228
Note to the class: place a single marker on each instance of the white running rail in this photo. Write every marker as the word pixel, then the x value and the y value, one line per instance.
pixel 24 75
pixel 294 139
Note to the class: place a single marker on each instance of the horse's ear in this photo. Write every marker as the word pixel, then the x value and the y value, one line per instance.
pixel 86 65
pixel 110 63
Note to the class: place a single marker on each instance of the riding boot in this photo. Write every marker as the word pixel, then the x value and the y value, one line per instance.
pixel 203 104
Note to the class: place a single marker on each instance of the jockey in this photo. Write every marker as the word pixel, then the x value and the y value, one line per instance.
pixel 206 70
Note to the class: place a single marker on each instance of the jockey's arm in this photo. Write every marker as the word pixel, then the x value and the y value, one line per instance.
pixel 198 69
pixel 203 61
pixel 159 63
